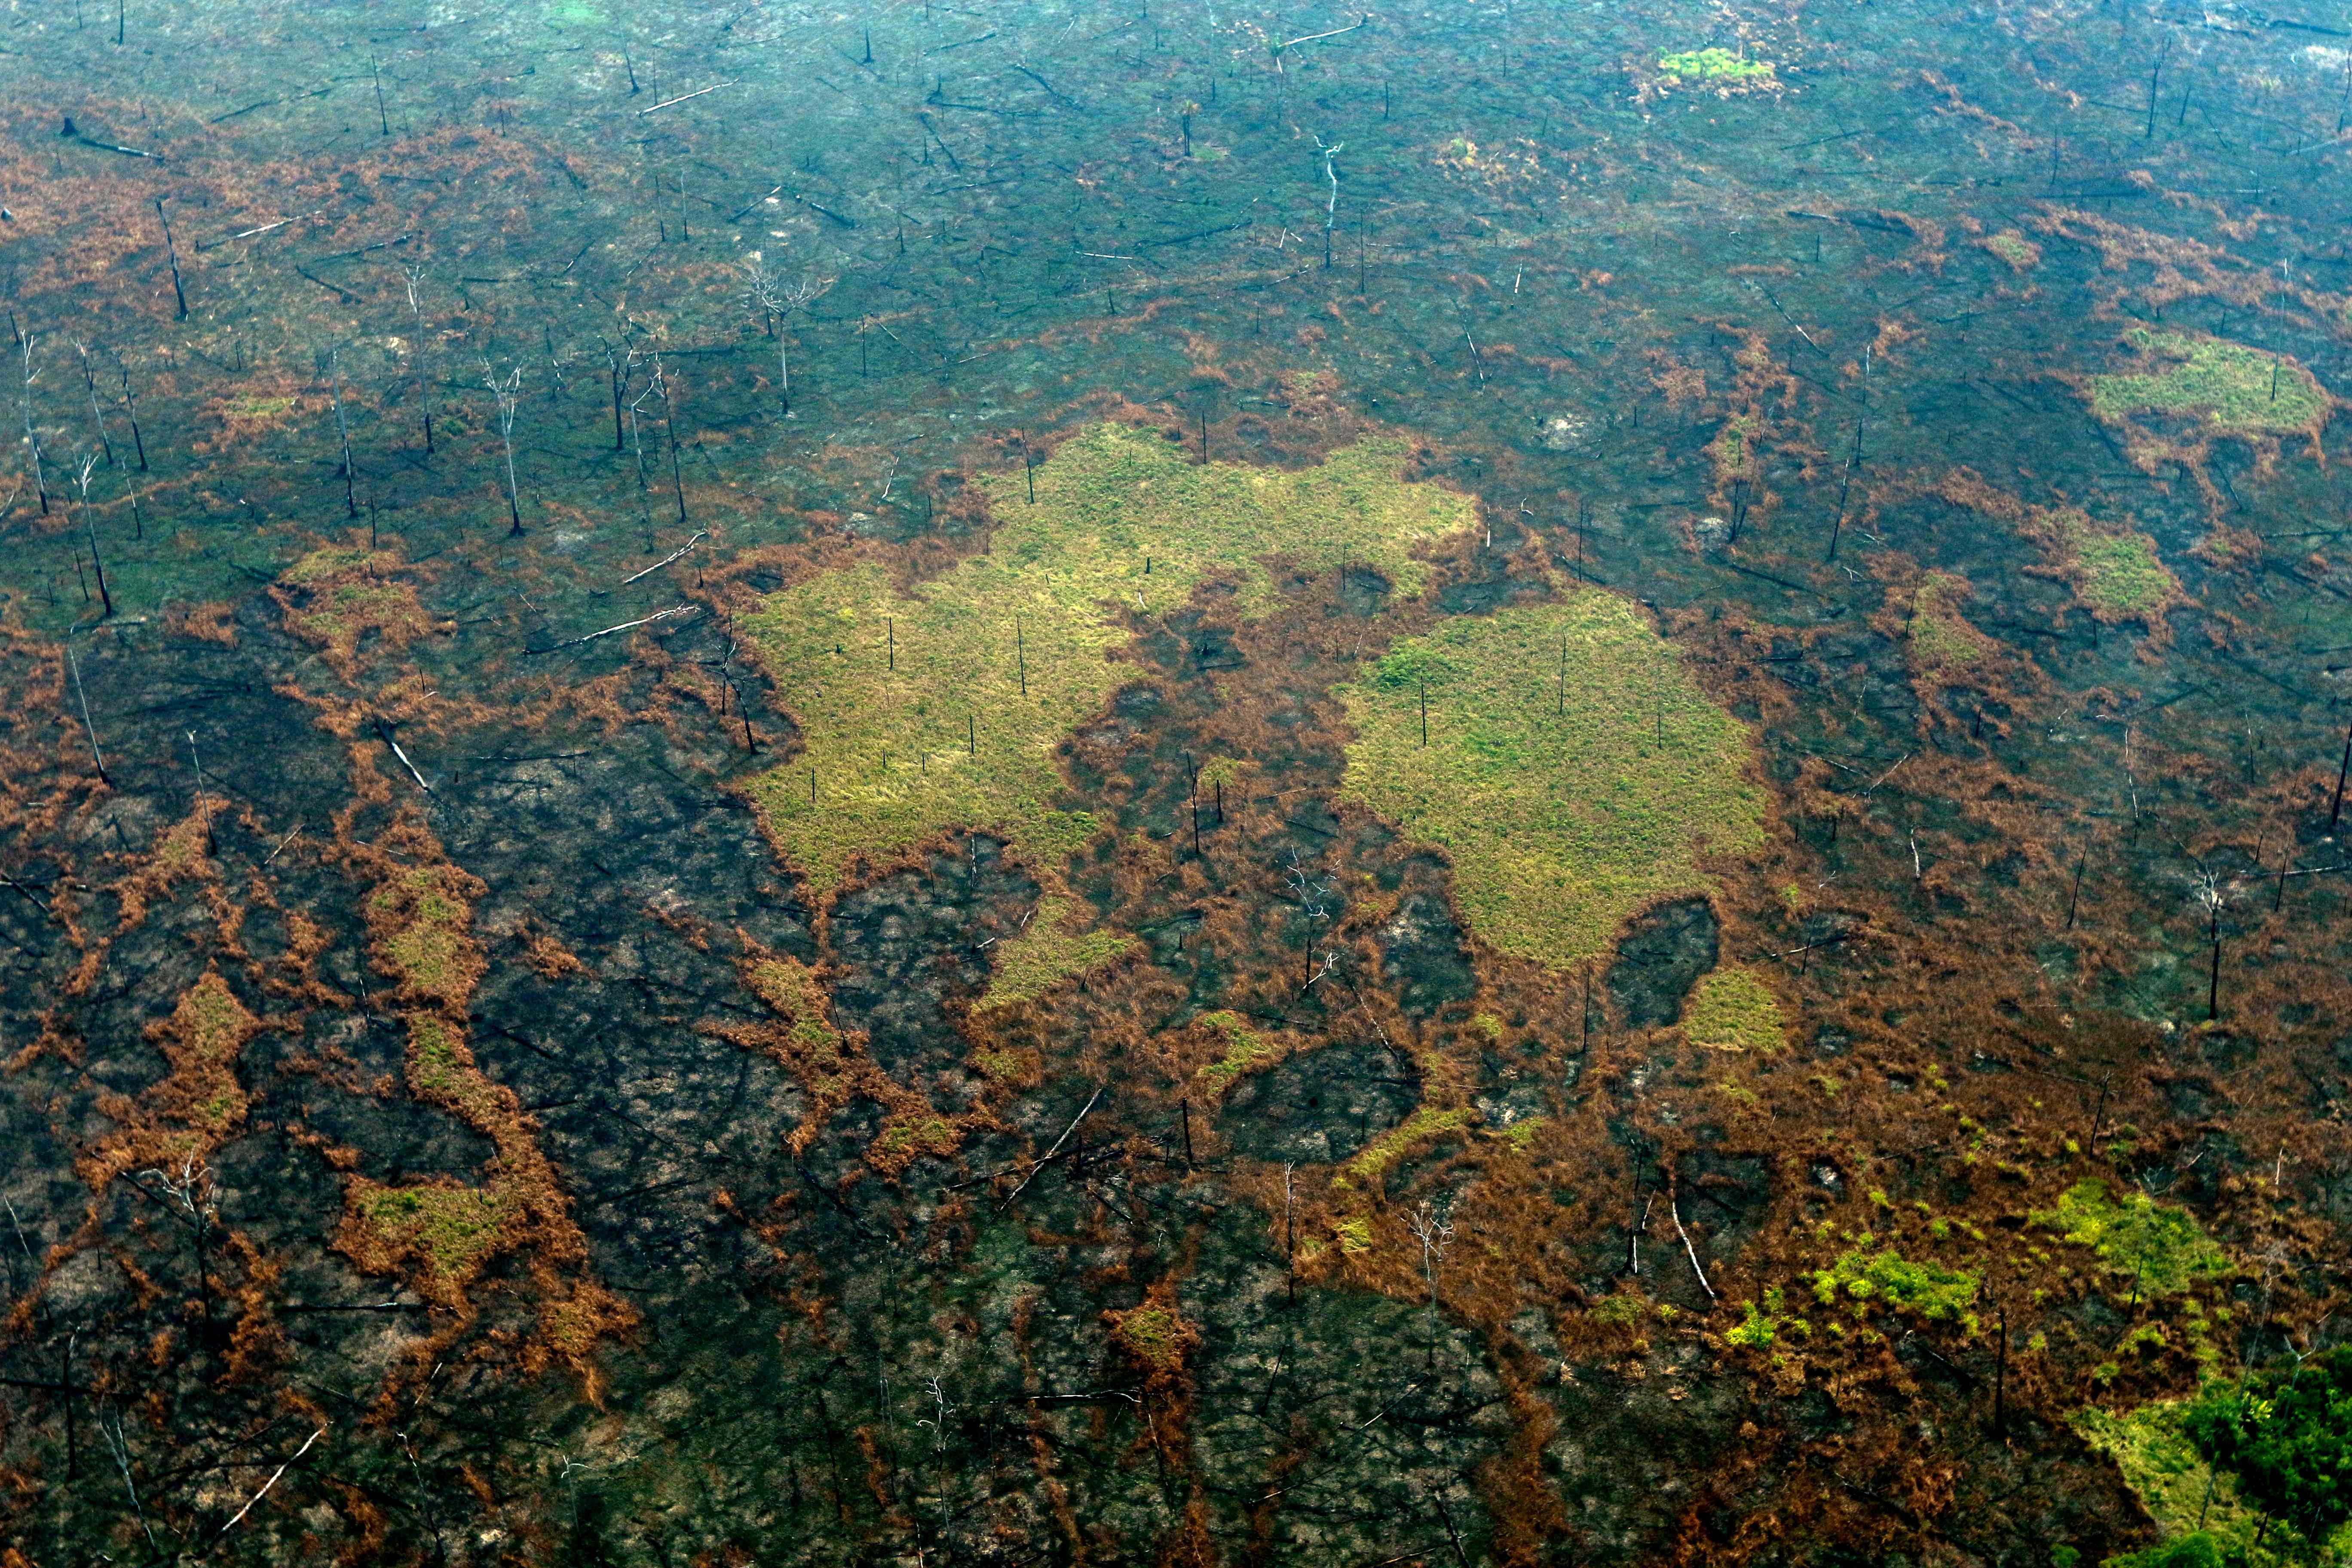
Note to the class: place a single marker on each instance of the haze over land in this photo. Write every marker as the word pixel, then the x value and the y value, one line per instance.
pixel 1022 784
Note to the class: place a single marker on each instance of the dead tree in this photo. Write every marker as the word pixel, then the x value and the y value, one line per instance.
pixel 89 526
pixel 114 458
pixel 509 396
pixel 1432 1228
pixel 415 276
pixel 32 436
pixel 779 300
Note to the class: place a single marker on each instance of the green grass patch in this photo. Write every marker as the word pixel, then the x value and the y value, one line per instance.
pixel 904 1138
pixel 2121 572
pixel 1045 951
pixel 2013 248
pixel 1522 1132
pixel 1156 1334
pixel 998 1067
pixel 435 1063
pixel 1715 67
pixel 1861 1278
pixel 330 561
pixel 443 1071
pixel 1247 1050
pixel 1565 803
pixel 2157 1244
pixel 999 659
pixel 449 1228
pixel 1622 1309
pixel 1941 636
pixel 2240 391
pixel 1424 1125
pixel 431 959
pixel 2115 571
pixel 251 408
pixel 215 1023
pixel 1731 1010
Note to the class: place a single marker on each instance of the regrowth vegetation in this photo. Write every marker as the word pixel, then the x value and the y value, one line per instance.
pixel 1717 67
pixel 1245 1052
pixel 2285 1437
pixel 2156 1245
pixel 2213 1470
pixel 336 598
pixel 1732 1010
pixel 1044 951
pixel 940 706
pixel 1942 639
pixel 2022 254
pixel 1574 770
pixel 1860 1279
pixel 2115 571
pixel 2239 391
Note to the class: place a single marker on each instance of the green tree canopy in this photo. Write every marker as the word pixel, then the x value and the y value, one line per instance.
pixel 2198 1551
pixel 2286 1436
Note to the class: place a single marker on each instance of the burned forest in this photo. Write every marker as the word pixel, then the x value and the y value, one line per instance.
pixel 1107 782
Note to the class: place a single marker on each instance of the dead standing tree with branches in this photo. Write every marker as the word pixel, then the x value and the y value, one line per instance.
pixel 415 276
pixel 778 302
pixel 509 391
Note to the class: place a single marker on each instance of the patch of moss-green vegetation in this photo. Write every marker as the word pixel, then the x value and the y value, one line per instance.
pixel 1247 1050
pixel 904 1138
pixel 1574 771
pixel 215 1022
pixel 1730 447
pixel 252 408
pixel 1522 1132
pixel 1731 1010
pixel 2120 573
pixel 1714 68
pixel 2014 248
pixel 1000 1066
pixel 1045 951
pixel 1355 1233
pixel 1942 637
pixel 1622 1309
pixel 333 561
pixel 2204 1519
pixel 429 957
pixel 2157 1244
pixel 940 706
pixel 2198 1549
pixel 434 1065
pixel 441 1069
pixel 1219 772
pixel 1862 1278
pixel 427 936
pixel 1156 1335
pixel 1761 1326
pixel 2240 391
pixel 451 1228
pixel 1424 1125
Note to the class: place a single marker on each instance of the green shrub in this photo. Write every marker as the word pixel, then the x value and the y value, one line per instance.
pixel 2157 1244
